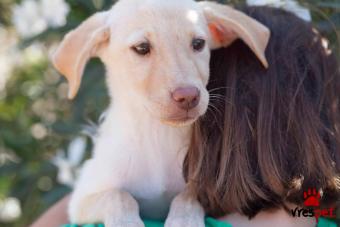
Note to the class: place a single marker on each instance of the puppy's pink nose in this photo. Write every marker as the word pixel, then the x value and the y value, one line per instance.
pixel 186 98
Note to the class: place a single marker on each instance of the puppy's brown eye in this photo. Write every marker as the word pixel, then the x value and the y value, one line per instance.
pixel 198 44
pixel 142 49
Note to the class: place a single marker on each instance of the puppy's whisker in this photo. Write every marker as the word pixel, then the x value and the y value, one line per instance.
pixel 212 112
pixel 215 108
pixel 220 88
pixel 221 101
pixel 218 97
pixel 218 101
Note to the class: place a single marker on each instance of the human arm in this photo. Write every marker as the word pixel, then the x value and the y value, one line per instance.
pixel 55 216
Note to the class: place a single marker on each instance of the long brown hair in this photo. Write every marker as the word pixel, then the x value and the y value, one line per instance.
pixel 270 133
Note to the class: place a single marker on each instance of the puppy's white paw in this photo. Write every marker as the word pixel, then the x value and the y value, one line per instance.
pixel 135 222
pixel 184 222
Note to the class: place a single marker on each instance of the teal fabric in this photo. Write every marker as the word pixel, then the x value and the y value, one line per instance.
pixel 323 222
pixel 209 222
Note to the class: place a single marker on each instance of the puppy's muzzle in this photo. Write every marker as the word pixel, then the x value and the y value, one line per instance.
pixel 186 98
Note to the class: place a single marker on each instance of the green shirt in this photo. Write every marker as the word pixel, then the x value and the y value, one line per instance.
pixel 209 222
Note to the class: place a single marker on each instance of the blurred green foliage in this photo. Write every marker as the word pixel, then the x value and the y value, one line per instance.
pixel 34 99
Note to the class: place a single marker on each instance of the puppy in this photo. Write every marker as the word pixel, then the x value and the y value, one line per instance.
pixel 156 53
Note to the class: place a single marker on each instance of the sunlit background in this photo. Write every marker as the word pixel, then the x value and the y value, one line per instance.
pixel 43 136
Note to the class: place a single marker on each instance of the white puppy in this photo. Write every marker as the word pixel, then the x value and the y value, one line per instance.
pixel 157 57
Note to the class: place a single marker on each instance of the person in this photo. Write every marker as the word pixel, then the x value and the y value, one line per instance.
pixel 270 135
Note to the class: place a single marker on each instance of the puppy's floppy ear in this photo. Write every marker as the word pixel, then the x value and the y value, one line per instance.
pixel 227 24
pixel 78 46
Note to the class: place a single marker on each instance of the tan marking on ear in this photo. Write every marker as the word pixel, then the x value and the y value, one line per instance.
pixel 225 38
pixel 78 47
pixel 227 24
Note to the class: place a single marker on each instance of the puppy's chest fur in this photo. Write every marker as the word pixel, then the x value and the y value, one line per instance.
pixel 145 159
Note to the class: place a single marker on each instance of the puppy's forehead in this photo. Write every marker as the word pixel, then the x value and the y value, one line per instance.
pixel 131 4
pixel 158 16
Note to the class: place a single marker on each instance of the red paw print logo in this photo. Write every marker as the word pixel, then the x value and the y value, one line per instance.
pixel 312 198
